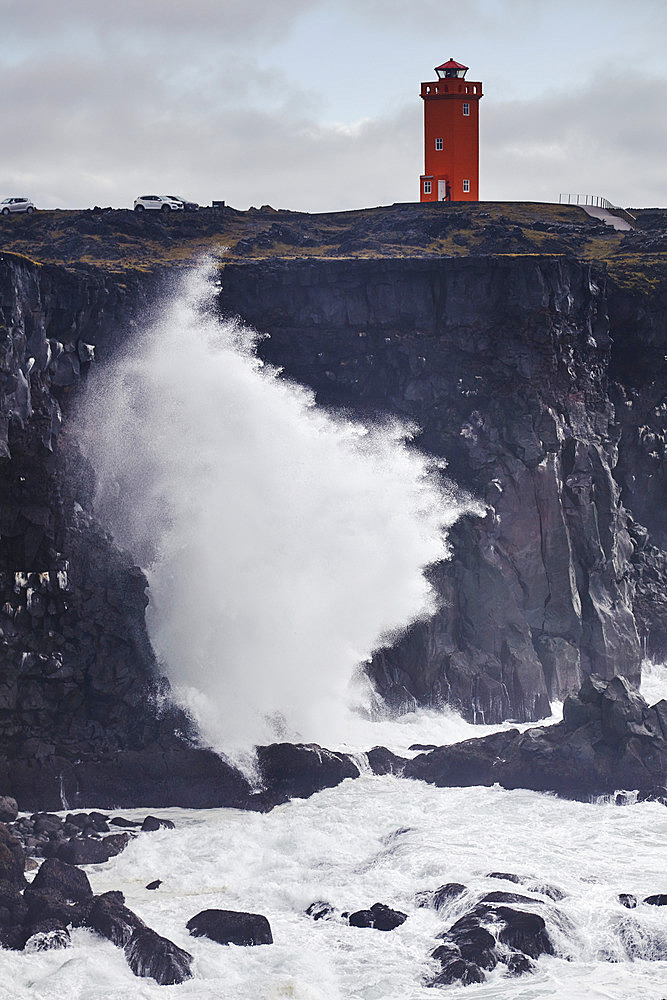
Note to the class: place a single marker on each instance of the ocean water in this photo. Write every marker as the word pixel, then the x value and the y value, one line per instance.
pixel 377 839
pixel 380 839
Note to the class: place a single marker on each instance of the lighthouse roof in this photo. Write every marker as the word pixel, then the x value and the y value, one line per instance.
pixel 451 64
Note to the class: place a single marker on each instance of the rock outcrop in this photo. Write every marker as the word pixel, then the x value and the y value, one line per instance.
pixel 609 739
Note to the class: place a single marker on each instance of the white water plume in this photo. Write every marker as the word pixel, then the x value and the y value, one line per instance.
pixel 283 544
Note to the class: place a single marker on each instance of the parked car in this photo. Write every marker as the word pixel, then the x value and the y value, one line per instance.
pixel 188 206
pixel 16 205
pixel 157 202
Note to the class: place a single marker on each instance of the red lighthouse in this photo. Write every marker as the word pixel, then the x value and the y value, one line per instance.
pixel 451 136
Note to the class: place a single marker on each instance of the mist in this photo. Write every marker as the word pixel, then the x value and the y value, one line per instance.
pixel 283 543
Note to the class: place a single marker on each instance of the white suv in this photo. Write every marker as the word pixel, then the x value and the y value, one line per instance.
pixel 16 205
pixel 158 202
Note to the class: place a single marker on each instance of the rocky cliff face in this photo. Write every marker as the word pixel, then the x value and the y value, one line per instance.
pixel 506 364
pixel 82 710
pixel 524 372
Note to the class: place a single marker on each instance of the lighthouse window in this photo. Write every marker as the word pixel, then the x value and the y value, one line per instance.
pixel 466 109
pixel 427 187
pixel 438 143
pixel 466 186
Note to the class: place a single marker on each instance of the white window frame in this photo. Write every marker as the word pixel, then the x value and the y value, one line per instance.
pixel 427 187
pixel 466 187
pixel 439 144
pixel 466 109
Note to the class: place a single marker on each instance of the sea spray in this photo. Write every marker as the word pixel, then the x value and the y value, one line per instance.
pixel 283 543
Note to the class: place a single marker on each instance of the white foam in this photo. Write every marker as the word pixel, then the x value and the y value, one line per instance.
pixel 378 839
pixel 654 681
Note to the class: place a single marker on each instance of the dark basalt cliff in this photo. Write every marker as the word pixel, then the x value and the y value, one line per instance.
pixel 538 382
pixel 511 366
pixel 84 712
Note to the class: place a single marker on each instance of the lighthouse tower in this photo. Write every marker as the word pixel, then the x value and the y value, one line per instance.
pixel 451 136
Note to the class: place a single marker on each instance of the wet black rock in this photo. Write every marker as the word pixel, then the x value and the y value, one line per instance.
pixel 628 900
pixel 438 898
pixel 63 880
pixel 490 933
pixel 609 738
pixel 147 953
pixel 383 761
pixel 321 910
pixel 125 823
pixel 659 899
pixel 47 936
pixel 155 884
pixel 13 914
pixel 150 954
pixel 152 823
pixel 474 942
pixel 507 897
pixel 380 916
pixel 524 932
pixel 530 883
pixel 291 770
pixel 458 970
pixel 519 965
pixel 89 851
pixel 43 905
pixel 113 920
pixel 231 927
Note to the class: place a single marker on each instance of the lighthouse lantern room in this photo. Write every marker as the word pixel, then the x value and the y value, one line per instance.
pixel 451 136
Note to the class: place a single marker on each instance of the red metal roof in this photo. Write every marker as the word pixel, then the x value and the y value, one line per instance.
pixel 450 64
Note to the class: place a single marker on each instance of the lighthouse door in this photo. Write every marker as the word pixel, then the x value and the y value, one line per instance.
pixel 442 190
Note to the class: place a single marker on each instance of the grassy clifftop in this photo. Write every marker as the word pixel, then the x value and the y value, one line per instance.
pixel 121 240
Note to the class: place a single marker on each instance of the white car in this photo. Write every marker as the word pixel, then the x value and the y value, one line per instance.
pixel 16 205
pixel 157 202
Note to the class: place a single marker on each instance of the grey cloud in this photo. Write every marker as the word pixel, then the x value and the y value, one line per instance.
pixel 601 140
pixel 219 21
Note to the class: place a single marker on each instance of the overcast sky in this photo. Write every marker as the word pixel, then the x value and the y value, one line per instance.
pixel 314 104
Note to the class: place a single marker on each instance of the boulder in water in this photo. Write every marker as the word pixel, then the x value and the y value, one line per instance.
pixel 458 970
pixel 659 899
pixel 524 931
pixel 150 955
pixel 50 935
pixel 518 965
pixel 231 927
pixel 113 921
pixel 474 942
pixel 90 851
pixel 379 916
pixel 437 898
pixel 63 880
pixel 152 823
pixel 383 761
pixel 321 910
pixel 609 738
pixel 292 771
